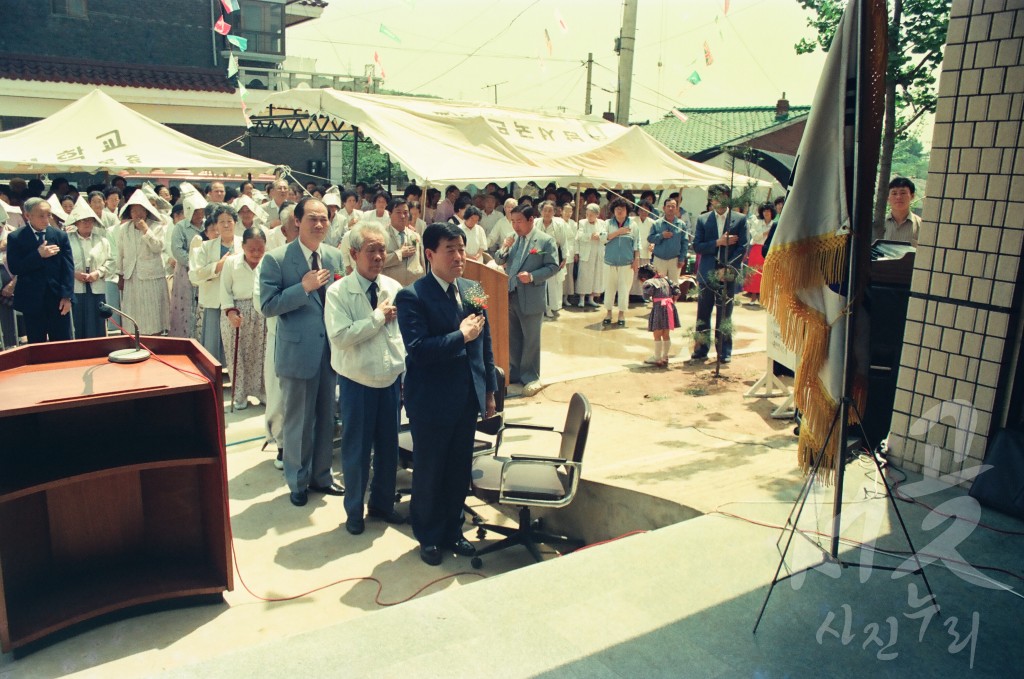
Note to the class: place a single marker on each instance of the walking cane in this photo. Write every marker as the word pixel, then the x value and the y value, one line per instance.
pixel 234 371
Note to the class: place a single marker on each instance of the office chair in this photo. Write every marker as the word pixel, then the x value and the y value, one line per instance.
pixel 526 481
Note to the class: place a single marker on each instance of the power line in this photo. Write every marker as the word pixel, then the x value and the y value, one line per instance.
pixel 433 52
pixel 482 45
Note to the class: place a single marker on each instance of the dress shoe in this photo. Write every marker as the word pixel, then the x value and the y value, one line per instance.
pixel 431 555
pixel 699 357
pixel 462 547
pixel 333 489
pixel 389 516
pixel 241 405
pixel 298 498
pixel 726 359
pixel 532 388
pixel 279 462
pixel 355 525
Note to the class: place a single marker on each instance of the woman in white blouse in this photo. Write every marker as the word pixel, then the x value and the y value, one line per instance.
pixel 590 257
pixel 204 268
pixel 476 236
pixel 571 227
pixel 140 244
pixel 94 261
pixel 240 325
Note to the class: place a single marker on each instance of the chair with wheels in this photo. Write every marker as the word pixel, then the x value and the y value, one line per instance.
pixel 526 481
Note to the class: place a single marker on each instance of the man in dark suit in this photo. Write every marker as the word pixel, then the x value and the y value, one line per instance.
pixel 293 287
pixel 721 242
pixel 530 260
pixel 40 256
pixel 449 382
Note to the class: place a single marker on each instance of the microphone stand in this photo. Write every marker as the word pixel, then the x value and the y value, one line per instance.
pixel 136 355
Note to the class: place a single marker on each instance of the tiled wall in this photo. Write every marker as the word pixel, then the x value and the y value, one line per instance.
pixel 965 274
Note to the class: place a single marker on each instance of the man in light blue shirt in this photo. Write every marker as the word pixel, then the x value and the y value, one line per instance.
pixel 668 235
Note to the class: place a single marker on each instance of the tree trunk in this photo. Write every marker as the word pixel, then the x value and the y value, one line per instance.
pixel 889 127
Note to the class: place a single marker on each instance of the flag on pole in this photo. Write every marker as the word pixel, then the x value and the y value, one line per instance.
pixel 804 284
pixel 708 59
pixel 232 65
pixel 388 33
pixel 237 41
pixel 679 114
pixel 230 5
pixel 694 78
pixel 222 26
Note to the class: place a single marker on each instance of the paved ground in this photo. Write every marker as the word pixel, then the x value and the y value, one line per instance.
pixel 666 445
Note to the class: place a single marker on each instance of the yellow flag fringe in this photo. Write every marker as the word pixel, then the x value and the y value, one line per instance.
pixel 789 268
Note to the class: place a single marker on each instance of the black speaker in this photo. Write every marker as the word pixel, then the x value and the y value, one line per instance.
pixel 886 307
pixel 1002 487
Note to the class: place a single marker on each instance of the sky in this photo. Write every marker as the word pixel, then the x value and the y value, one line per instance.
pixel 424 47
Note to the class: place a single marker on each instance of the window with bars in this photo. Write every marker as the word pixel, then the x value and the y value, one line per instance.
pixel 262 24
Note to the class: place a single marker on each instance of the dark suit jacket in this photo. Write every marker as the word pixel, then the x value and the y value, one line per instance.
pixel 707 234
pixel 36 275
pixel 301 333
pixel 437 382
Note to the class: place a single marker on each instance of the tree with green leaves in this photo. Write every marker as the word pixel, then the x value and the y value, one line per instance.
pixel 917 33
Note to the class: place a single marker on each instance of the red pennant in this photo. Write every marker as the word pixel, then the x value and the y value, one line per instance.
pixel 222 26
pixel 708 59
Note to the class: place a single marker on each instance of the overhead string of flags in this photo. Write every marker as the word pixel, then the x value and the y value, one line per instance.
pixel 222 27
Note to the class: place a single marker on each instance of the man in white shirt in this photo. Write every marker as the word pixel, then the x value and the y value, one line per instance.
pixel 490 216
pixel 368 354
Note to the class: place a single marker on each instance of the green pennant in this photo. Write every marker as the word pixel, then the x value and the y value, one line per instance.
pixel 694 78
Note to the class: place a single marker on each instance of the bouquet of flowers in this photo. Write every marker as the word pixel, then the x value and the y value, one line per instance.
pixel 475 299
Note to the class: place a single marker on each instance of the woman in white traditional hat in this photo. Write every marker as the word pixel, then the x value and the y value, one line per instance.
pixel 183 292
pixel 144 294
pixel 94 262
pixel 250 215
pixel 590 257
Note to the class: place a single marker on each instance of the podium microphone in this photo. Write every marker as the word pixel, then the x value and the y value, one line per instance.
pixel 136 355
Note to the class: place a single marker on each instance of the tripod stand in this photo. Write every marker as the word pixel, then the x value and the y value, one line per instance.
pixel 832 556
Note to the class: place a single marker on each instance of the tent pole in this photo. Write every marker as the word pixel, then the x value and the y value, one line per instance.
pixel 355 153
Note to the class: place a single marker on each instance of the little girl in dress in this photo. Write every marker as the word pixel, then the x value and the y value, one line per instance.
pixel 664 318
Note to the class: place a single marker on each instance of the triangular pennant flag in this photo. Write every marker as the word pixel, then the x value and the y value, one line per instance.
pixel 240 43
pixel 245 115
pixel 232 66
pixel 376 58
pixel 561 22
pixel 726 10
pixel 242 91
pixel 230 5
pixel 708 59
pixel 547 40
pixel 388 33
pixel 222 26
pixel 679 114
pixel 694 78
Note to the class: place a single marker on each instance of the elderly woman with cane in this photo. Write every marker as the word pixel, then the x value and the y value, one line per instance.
pixel 243 331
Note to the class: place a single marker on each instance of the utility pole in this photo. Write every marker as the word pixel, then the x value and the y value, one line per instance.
pixel 495 86
pixel 626 48
pixel 590 71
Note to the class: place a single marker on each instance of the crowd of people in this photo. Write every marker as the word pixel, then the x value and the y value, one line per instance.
pixel 322 302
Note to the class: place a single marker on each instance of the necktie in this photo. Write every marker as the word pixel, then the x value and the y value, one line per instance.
pixel 372 292
pixel 39 236
pixel 320 291
pixel 517 261
pixel 401 237
pixel 453 298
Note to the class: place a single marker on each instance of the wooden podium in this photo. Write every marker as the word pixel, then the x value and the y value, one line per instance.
pixel 113 487
pixel 495 285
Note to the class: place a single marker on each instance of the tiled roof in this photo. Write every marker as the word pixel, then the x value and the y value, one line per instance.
pixel 48 69
pixel 708 128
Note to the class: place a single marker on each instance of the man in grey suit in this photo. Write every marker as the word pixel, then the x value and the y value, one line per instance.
pixel 293 287
pixel 530 260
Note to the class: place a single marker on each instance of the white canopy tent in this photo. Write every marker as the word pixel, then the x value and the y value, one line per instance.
pixel 442 142
pixel 98 134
